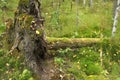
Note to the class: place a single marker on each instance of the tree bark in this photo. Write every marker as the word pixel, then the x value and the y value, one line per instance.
pixel 26 34
pixel 116 14
pixel 90 3
pixel 84 3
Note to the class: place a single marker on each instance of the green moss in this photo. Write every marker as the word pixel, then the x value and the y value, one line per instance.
pixel 24 2
pixel 52 39
pixel 75 40
pixel 26 20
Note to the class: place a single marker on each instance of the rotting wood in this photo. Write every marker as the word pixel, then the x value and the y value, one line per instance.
pixel 57 43
pixel 26 34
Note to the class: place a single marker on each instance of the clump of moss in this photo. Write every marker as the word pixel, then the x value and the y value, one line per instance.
pixel 23 2
pixel 26 20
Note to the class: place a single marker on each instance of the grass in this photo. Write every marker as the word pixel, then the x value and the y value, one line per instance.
pixel 85 63
pixel 91 21
pixel 12 67
pixel 61 21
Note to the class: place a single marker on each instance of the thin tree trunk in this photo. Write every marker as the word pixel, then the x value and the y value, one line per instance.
pixel 71 5
pixel 114 7
pixel 90 3
pixel 77 14
pixel 116 17
pixel 84 3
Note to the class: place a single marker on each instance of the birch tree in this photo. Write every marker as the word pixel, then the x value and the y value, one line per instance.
pixel 90 3
pixel 77 14
pixel 116 12
pixel 84 2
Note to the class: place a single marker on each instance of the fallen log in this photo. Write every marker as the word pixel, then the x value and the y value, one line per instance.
pixel 56 43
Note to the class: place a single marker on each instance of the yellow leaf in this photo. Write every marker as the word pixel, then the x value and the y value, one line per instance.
pixel 74 56
pixel 78 67
pixel 37 32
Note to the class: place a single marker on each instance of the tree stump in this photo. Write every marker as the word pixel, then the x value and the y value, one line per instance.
pixel 26 34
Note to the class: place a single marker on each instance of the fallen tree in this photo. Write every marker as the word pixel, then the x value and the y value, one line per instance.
pixel 56 43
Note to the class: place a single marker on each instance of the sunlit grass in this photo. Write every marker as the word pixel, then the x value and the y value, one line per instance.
pixel 92 22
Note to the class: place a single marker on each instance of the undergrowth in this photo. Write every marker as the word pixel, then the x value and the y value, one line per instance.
pixel 85 63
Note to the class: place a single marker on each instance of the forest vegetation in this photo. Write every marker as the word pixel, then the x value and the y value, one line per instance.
pixel 72 25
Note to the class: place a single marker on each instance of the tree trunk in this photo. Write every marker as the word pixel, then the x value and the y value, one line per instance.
pixel 116 14
pixel 27 34
pixel 90 3
pixel 77 15
pixel 84 3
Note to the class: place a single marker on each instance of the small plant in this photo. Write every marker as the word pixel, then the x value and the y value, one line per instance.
pixel 64 52
pixel 93 69
pixel 26 75
pixel 59 61
pixel 2 28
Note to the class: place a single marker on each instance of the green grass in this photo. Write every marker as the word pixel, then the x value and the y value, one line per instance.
pixel 85 62
pixel 8 13
pixel 12 67
pixel 61 21
pixel 91 21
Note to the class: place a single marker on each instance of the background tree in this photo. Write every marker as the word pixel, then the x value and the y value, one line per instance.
pixel 84 2
pixel 116 14
pixel 90 3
